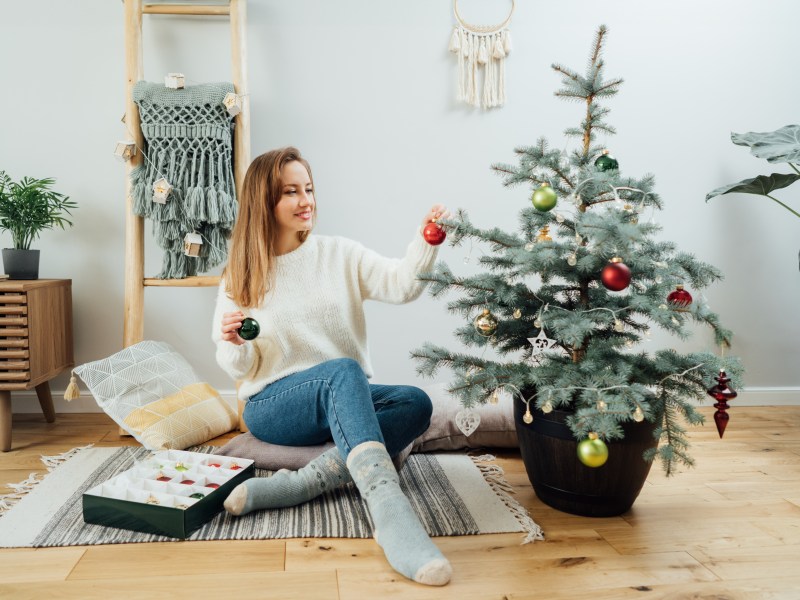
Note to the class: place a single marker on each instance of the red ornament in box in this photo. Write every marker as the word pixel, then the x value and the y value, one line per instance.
pixel 434 233
pixel 616 275
pixel 679 298
pixel 721 393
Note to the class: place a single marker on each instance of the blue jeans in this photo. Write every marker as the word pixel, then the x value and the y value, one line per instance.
pixel 335 400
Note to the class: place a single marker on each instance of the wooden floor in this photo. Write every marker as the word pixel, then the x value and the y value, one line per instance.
pixel 727 529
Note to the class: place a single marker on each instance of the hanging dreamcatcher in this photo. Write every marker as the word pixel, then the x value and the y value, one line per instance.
pixel 481 50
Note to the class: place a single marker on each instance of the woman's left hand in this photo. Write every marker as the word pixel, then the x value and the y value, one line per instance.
pixel 437 211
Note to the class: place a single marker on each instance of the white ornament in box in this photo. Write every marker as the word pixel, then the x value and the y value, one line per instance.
pixel 125 150
pixel 233 102
pixel 192 244
pixel 161 190
pixel 176 81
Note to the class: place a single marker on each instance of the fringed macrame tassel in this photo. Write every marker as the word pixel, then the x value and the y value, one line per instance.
pixel 498 51
pixel 483 56
pixel 455 41
pixel 507 41
pixel 73 391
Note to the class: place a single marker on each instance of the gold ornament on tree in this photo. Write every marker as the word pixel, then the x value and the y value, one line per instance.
pixel 544 235
pixel 485 323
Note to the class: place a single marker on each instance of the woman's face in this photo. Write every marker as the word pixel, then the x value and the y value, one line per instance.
pixel 295 209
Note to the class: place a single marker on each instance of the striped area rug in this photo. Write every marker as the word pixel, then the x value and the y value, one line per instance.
pixel 453 494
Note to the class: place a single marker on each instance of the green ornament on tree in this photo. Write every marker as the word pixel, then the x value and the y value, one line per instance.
pixel 249 329
pixel 606 162
pixel 593 451
pixel 544 198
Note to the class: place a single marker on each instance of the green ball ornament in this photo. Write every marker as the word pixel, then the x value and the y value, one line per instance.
pixel 544 198
pixel 249 329
pixel 593 451
pixel 606 162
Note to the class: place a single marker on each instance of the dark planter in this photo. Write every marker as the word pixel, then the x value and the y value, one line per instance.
pixel 549 451
pixel 21 264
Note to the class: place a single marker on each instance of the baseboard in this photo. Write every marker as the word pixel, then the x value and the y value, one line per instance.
pixel 27 402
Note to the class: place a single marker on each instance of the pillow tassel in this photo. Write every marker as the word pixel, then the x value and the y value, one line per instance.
pixel 73 391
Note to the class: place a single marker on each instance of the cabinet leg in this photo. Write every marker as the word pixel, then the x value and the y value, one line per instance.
pixel 5 420
pixel 46 401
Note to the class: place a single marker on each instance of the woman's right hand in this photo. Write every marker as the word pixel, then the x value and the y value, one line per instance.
pixel 231 322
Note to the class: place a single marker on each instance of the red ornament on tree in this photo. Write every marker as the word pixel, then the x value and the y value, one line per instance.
pixel 721 393
pixel 434 233
pixel 679 298
pixel 616 275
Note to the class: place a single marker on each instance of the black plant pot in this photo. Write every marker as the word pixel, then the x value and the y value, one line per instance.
pixel 549 451
pixel 21 264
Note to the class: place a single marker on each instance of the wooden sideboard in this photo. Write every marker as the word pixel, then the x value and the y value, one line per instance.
pixel 35 342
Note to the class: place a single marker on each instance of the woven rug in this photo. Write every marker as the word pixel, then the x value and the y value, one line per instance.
pixel 453 494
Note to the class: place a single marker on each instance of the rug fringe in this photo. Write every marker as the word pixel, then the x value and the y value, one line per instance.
pixel 495 477
pixel 23 488
pixel 51 462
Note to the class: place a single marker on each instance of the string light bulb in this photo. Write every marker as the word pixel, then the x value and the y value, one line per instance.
pixel 638 414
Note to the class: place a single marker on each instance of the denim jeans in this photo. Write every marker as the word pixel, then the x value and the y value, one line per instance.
pixel 335 400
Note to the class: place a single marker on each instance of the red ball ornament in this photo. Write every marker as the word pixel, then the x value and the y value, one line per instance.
pixel 679 297
pixel 616 275
pixel 434 233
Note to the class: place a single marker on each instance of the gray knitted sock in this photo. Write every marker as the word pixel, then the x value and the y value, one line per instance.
pixel 397 528
pixel 289 488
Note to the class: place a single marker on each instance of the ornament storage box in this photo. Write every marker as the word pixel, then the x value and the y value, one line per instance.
pixel 172 492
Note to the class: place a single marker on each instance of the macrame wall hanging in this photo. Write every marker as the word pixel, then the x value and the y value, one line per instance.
pixel 185 185
pixel 481 46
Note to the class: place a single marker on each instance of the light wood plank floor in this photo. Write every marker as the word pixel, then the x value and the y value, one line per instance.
pixel 729 529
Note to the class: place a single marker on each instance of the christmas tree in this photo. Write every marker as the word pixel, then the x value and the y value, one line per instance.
pixel 566 302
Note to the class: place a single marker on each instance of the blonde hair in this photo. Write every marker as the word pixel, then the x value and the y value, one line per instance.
pixel 251 259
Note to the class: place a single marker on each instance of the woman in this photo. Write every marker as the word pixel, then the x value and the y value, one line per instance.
pixel 305 375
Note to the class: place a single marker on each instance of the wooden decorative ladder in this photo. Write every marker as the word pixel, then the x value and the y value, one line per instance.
pixel 135 281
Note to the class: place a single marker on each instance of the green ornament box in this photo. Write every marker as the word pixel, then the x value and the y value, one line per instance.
pixel 172 493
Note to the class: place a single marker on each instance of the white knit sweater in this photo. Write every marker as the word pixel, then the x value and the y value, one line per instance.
pixel 314 310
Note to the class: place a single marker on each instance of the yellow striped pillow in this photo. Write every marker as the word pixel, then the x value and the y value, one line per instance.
pixel 194 414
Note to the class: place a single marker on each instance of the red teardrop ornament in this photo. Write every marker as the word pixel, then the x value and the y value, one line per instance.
pixel 721 393
pixel 616 275
pixel 679 297
pixel 434 234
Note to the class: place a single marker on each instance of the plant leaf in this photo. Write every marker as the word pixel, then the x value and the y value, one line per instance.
pixel 761 185
pixel 781 145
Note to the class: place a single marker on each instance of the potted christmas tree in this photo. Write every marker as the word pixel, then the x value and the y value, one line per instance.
pixel 561 317
pixel 26 208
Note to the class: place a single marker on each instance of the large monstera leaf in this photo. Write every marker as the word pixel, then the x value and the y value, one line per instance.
pixel 782 145
pixel 761 185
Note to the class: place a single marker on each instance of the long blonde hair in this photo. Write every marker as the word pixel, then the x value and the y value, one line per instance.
pixel 251 260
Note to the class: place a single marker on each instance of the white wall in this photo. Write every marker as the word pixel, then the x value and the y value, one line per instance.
pixel 366 90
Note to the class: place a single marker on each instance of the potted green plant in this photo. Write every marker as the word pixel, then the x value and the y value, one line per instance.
pixel 779 146
pixel 26 208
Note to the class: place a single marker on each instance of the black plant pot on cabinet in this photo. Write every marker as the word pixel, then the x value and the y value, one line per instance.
pixel 21 264
pixel 549 451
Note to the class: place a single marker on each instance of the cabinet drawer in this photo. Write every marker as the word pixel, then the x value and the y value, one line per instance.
pixel 14 332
